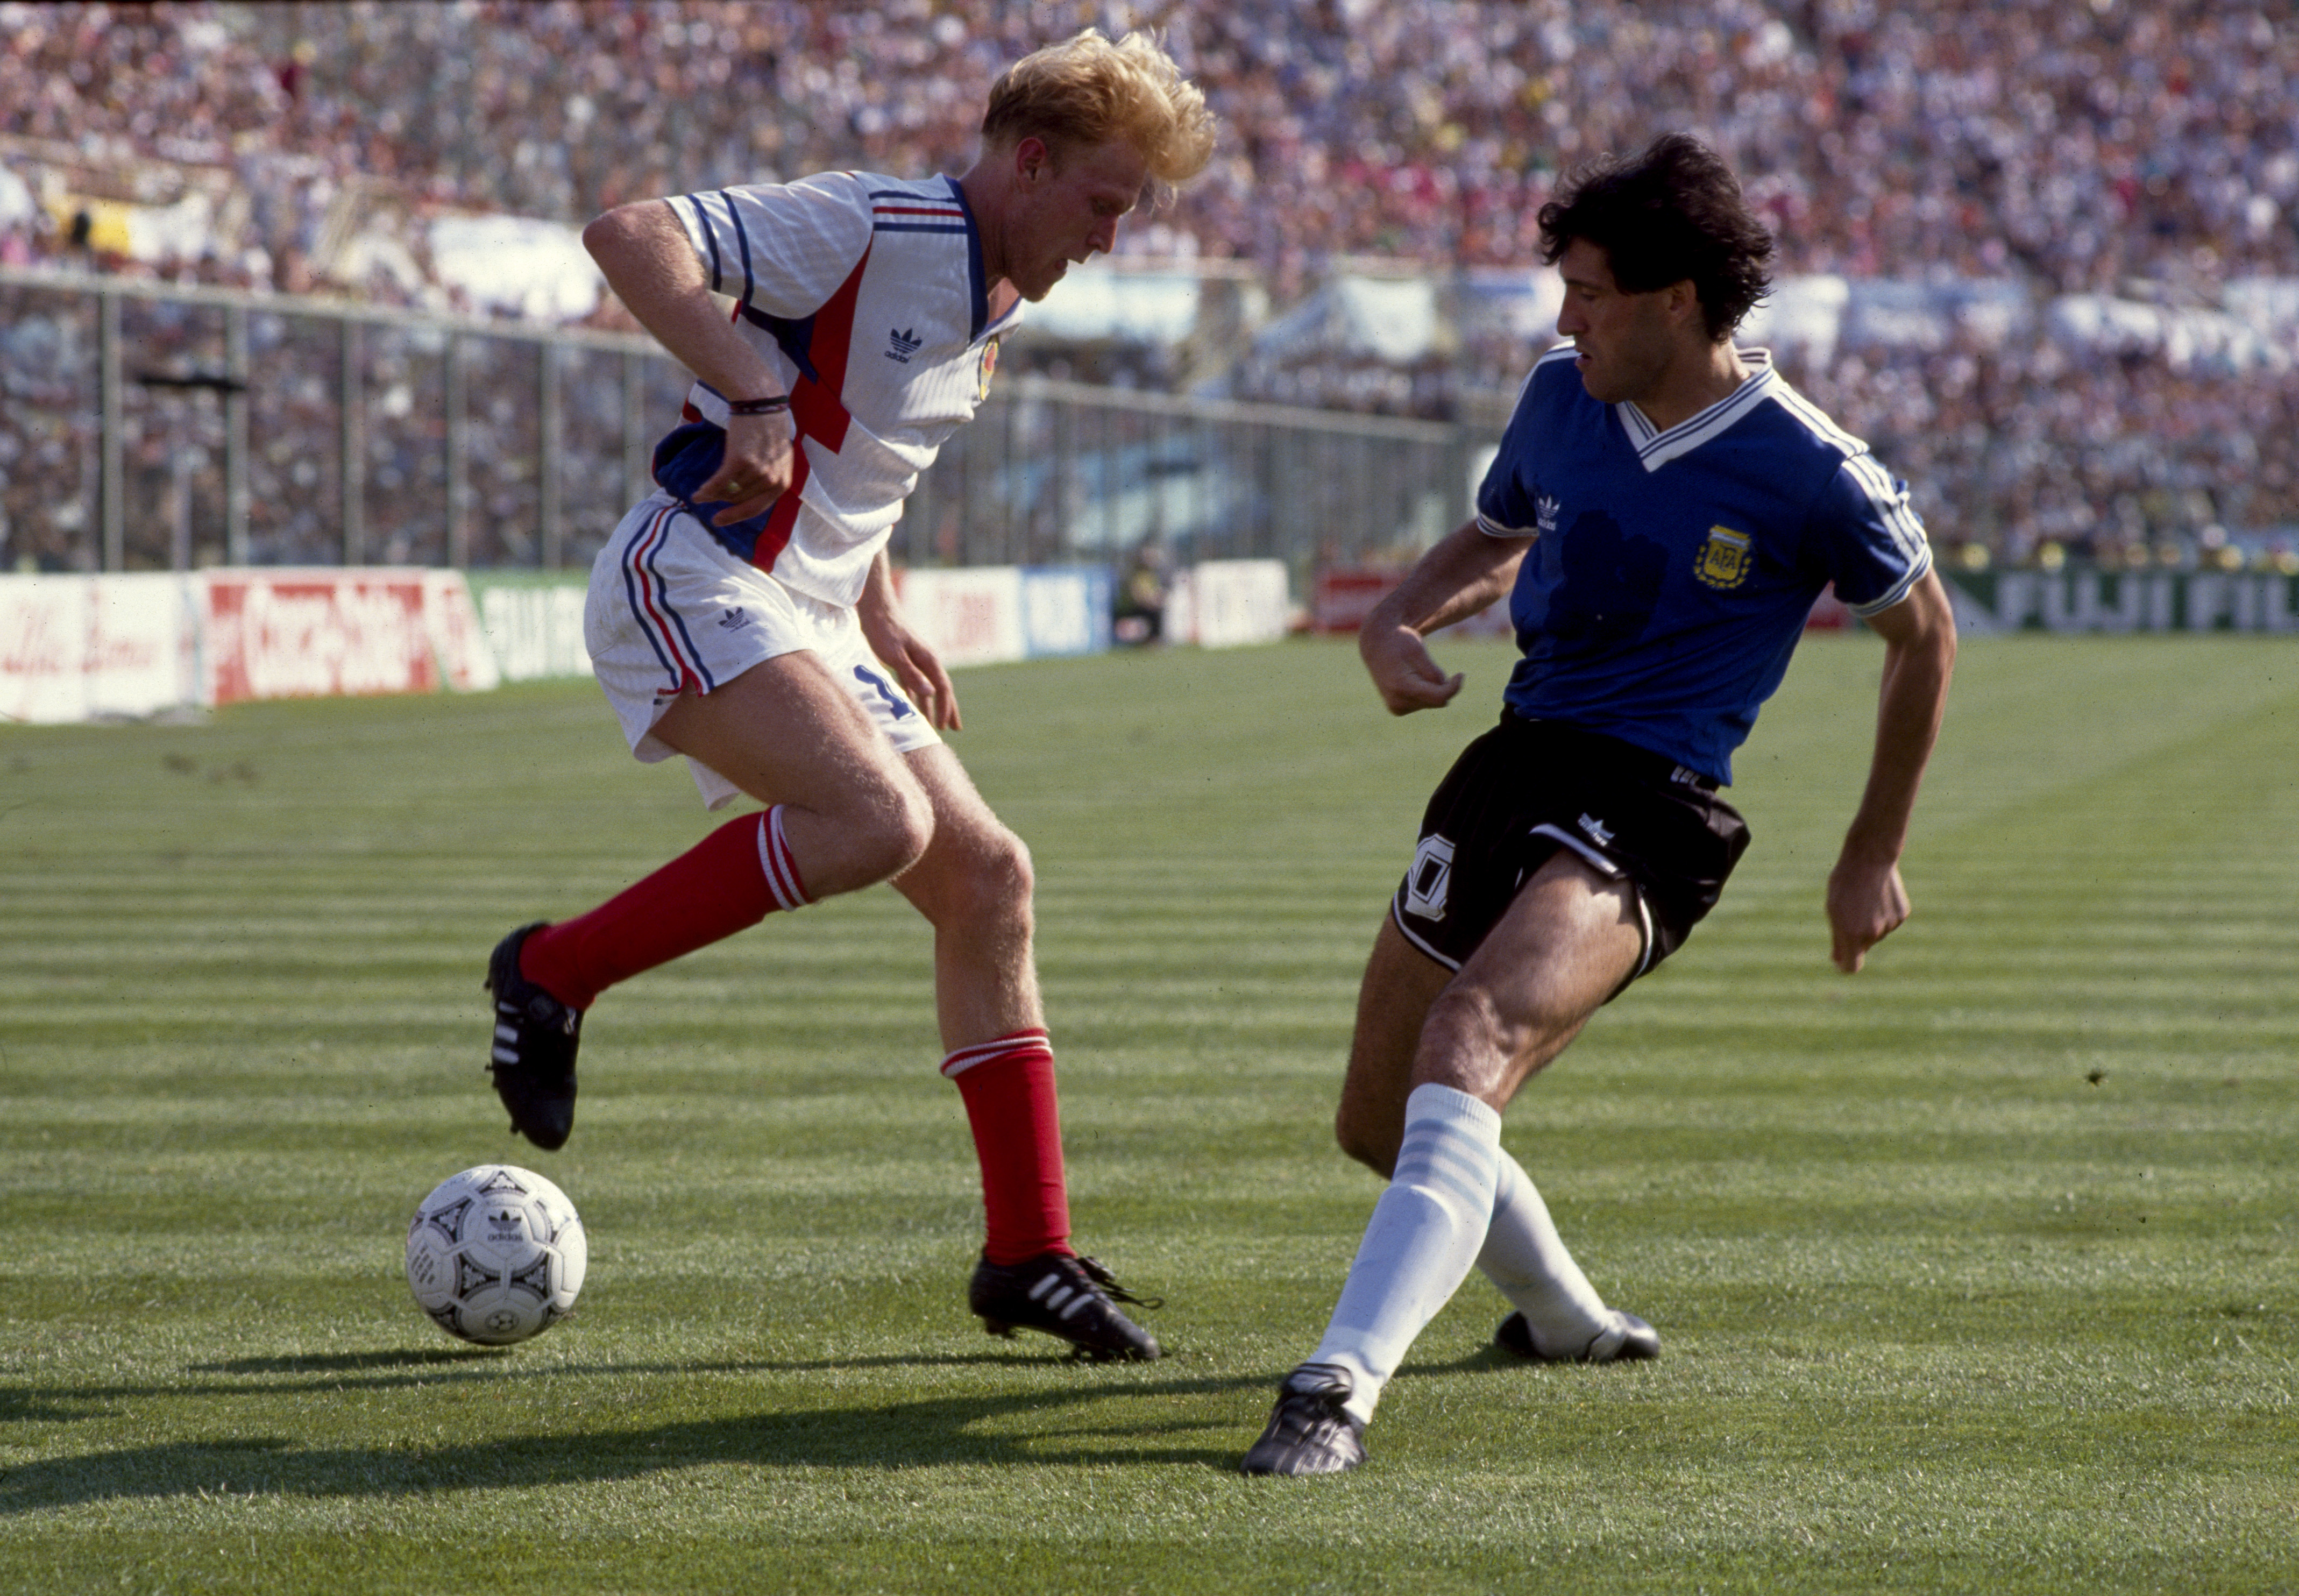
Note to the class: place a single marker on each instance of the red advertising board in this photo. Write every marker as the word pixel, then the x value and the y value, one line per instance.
pixel 1344 598
pixel 303 634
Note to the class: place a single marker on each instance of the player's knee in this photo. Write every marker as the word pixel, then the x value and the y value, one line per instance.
pixel 1467 1042
pixel 893 831
pixel 1475 1044
pixel 1011 875
pixel 1463 1020
pixel 991 888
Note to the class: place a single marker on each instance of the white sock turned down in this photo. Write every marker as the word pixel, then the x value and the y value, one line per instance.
pixel 1525 1257
pixel 1423 1237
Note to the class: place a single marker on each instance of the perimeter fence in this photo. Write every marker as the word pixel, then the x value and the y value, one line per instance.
pixel 158 427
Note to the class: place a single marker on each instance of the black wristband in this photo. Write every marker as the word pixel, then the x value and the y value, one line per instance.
pixel 758 407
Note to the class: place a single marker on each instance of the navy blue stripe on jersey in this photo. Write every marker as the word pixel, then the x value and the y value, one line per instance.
pixel 742 240
pixel 913 212
pixel 688 456
pixel 710 237
pixel 795 336
pixel 973 266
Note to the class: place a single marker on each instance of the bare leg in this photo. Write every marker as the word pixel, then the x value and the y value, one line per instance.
pixel 844 812
pixel 855 812
pixel 1393 1001
pixel 1565 944
pixel 1568 940
pixel 787 734
pixel 972 884
pixel 1431 1112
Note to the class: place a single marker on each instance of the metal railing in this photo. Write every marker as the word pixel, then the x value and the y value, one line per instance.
pixel 151 425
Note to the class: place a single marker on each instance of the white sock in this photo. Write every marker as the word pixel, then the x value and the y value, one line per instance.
pixel 1421 1242
pixel 1525 1257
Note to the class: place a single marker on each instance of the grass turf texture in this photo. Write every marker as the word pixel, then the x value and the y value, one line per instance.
pixel 1974 1272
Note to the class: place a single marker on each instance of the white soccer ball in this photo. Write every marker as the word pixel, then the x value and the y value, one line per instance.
pixel 496 1254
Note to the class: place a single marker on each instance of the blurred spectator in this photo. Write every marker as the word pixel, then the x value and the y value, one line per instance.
pixel 2087 144
pixel 1140 606
pixel 2110 147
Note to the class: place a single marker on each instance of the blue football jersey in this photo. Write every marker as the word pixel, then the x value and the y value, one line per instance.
pixel 1671 572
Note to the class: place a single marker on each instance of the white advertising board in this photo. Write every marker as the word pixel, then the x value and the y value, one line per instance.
pixel 1227 603
pixel 84 647
pixel 968 617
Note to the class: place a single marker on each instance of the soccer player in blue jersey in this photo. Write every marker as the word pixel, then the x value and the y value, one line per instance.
pixel 1663 512
pixel 743 615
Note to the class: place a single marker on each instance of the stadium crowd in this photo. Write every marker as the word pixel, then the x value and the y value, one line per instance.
pixel 2105 147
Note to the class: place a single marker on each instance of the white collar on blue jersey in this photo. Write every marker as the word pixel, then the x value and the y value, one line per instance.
pixel 1655 448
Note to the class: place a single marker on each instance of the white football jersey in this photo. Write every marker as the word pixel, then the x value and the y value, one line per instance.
pixel 868 293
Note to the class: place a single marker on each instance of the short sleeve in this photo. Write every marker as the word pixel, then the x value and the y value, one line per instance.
pixel 1505 502
pixel 1871 540
pixel 782 248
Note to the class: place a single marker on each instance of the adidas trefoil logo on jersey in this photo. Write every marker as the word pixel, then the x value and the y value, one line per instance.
pixel 736 620
pixel 1598 832
pixel 1545 511
pixel 902 344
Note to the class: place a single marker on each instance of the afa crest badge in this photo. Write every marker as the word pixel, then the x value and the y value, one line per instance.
pixel 982 372
pixel 1723 559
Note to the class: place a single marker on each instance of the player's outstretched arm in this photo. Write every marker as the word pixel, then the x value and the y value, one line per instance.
pixel 903 651
pixel 647 259
pixel 1460 575
pixel 1866 901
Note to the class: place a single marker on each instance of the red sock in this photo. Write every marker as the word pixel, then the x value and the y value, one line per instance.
pixel 1008 1083
pixel 730 879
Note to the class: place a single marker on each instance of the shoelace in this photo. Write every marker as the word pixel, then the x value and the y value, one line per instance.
pixel 1108 1285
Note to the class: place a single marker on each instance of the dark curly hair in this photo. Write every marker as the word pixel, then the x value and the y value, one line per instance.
pixel 1671 212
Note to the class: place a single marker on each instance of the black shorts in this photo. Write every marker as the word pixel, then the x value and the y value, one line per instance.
pixel 1528 787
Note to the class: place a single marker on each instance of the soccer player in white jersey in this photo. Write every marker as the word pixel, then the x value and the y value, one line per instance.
pixel 744 615
pixel 1663 512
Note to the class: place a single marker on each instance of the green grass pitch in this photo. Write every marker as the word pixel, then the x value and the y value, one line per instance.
pixel 1975 1272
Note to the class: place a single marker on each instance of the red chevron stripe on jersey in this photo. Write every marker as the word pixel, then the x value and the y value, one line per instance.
pixel 781 519
pixel 816 410
pixel 865 294
pixel 816 402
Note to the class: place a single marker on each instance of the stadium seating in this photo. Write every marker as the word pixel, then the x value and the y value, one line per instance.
pixel 2141 154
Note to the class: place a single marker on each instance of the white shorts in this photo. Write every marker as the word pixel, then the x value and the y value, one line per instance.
pixel 672 612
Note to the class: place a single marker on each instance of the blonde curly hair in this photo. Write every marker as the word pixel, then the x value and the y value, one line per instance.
pixel 1087 90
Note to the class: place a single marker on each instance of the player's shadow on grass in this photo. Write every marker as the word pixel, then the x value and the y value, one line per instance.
pixel 1490 1357
pixel 410 1369
pixel 1012 1428
pixel 347 1363
pixel 1009 1357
